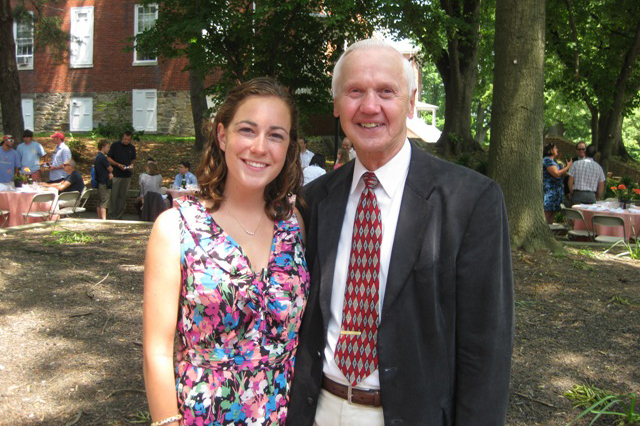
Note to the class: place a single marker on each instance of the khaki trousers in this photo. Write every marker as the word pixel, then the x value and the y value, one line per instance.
pixel 334 411
pixel 118 199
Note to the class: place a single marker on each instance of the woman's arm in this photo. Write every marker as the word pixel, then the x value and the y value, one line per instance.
pixel 160 312
pixel 553 170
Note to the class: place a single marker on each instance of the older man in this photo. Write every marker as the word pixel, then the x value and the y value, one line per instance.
pixel 61 154
pixel 409 319
pixel 586 179
pixel 73 181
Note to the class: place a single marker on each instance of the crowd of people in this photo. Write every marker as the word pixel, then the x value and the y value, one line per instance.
pixel 580 181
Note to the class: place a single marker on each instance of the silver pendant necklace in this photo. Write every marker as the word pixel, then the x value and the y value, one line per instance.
pixel 246 231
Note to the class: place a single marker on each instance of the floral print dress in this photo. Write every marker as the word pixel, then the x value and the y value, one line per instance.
pixel 237 330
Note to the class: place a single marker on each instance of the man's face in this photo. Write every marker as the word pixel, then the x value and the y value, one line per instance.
pixel 346 143
pixel 27 139
pixel 7 142
pixel 126 139
pixel 373 103
pixel 182 169
pixel 581 150
pixel 57 140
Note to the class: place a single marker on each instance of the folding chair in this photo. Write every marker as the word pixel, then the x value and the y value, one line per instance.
pixel 66 204
pixel 46 197
pixel 82 201
pixel 605 220
pixel 578 234
pixel 5 217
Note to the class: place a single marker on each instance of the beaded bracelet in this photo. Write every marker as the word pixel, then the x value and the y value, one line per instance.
pixel 167 420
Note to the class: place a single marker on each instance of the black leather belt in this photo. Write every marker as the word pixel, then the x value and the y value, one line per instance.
pixel 353 395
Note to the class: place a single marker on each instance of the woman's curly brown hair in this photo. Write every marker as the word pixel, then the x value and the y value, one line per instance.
pixel 212 171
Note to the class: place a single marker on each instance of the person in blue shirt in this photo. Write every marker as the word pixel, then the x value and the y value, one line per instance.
pixel 9 160
pixel 184 174
pixel 30 154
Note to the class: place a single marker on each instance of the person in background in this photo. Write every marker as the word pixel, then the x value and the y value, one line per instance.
pixel 9 160
pixel 61 154
pixel 410 312
pixel 343 158
pixel 122 156
pixel 73 181
pixel 104 175
pixel 305 154
pixel 30 154
pixel 581 149
pixel 346 144
pixel 552 181
pixel 315 169
pixel 586 179
pixel 151 181
pixel 184 173
pixel 225 273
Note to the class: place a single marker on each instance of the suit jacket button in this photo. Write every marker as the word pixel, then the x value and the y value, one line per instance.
pixel 310 400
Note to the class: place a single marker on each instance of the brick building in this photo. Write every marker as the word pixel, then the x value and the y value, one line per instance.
pixel 98 76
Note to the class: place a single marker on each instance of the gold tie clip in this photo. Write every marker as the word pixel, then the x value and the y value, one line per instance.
pixel 350 332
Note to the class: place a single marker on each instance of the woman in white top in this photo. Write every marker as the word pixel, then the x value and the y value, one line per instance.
pixel 151 181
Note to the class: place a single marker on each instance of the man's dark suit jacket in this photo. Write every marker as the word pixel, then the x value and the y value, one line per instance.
pixel 446 331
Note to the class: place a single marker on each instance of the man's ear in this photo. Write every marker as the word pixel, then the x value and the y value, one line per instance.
pixel 412 103
pixel 222 136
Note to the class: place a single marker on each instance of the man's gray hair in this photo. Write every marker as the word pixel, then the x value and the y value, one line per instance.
pixel 71 162
pixel 372 44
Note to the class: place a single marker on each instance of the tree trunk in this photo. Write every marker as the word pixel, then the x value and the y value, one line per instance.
pixel 515 152
pixel 594 123
pixel 607 138
pixel 458 67
pixel 10 94
pixel 481 129
pixel 198 106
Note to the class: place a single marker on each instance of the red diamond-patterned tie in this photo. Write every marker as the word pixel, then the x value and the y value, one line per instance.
pixel 356 354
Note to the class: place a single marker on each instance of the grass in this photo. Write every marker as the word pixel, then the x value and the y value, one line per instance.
pixel 600 402
pixel 68 237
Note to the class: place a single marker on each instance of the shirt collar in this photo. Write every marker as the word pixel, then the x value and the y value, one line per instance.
pixel 391 175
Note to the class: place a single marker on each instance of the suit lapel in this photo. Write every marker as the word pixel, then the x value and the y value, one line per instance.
pixel 331 212
pixel 411 227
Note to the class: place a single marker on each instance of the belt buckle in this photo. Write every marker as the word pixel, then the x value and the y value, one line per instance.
pixel 349 393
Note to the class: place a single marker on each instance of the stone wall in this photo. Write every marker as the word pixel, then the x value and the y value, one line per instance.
pixel 51 110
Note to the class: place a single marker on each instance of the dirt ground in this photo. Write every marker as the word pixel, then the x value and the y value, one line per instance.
pixel 70 328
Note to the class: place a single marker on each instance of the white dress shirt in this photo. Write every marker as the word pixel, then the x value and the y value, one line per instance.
pixel 392 177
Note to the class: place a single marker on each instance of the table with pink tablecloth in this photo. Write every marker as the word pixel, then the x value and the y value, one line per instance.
pixel 631 219
pixel 18 202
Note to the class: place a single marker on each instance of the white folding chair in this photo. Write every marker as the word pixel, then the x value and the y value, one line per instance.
pixel 46 197
pixel 576 215
pixel 82 201
pixel 605 220
pixel 65 206
pixel 5 217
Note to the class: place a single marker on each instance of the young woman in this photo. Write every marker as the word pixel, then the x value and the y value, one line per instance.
pixel 226 273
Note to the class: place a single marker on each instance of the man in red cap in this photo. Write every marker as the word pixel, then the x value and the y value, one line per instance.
pixel 61 154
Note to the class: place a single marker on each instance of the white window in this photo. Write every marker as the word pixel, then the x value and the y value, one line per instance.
pixel 81 114
pixel 27 113
pixel 145 18
pixel 23 35
pixel 144 110
pixel 81 37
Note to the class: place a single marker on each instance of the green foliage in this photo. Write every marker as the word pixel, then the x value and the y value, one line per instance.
pixel 296 41
pixel 598 403
pixel 76 147
pixel 631 249
pixel 587 253
pixel 68 237
pixel 116 119
pixel 140 417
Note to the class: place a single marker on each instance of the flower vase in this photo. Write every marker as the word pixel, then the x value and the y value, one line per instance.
pixel 17 183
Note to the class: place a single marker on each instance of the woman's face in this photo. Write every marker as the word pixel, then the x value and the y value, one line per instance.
pixel 255 143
